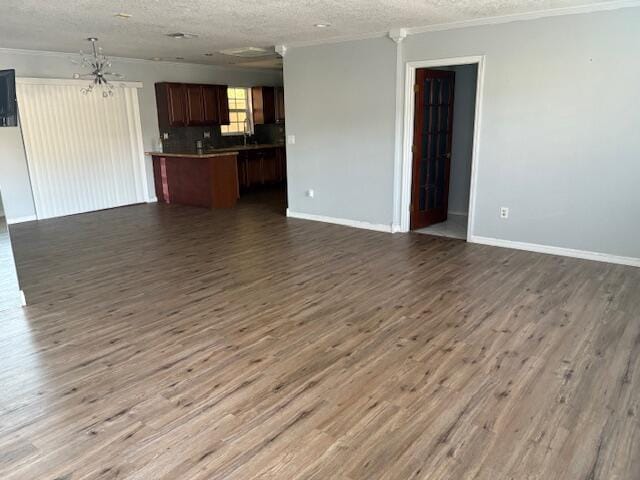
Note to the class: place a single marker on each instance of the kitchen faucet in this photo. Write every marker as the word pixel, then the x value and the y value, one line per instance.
pixel 245 131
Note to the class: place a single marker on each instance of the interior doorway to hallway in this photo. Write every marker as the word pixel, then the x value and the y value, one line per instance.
pixel 442 149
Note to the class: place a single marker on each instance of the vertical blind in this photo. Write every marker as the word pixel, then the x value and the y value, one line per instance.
pixel 84 152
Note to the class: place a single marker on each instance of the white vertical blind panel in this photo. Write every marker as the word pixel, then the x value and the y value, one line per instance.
pixel 84 152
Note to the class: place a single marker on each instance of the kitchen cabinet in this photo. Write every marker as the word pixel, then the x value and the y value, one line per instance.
pixel 172 106
pixel 261 167
pixel 211 107
pixel 195 105
pixel 279 104
pixel 208 180
pixel 223 105
pixel 268 105
pixel 182 105
pixel 263 103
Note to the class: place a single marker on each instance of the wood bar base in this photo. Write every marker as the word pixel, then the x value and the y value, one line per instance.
pixel 198 180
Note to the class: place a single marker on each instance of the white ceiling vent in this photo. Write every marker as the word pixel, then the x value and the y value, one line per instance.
pixel 248 52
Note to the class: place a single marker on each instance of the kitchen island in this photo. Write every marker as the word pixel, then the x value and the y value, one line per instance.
pixel 201 180
pixel 215 178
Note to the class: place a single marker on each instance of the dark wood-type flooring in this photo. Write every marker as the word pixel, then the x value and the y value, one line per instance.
pixel 168 342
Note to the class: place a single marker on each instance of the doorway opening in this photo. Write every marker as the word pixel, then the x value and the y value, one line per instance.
pixel 441 124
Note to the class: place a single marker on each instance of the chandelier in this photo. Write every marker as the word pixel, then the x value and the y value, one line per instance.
pixel 99 73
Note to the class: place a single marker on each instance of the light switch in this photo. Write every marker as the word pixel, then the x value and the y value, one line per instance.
pixel 165 136
pixel 291 139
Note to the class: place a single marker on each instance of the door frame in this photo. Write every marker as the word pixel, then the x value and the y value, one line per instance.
pixel 409 115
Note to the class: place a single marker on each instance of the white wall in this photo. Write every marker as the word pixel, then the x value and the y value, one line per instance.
pixel 13 172
pixel 558 135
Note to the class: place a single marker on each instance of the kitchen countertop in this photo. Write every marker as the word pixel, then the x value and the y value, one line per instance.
pixel 195 155
pixel 218 152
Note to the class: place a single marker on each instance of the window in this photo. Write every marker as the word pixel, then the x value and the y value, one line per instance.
pixel 239 112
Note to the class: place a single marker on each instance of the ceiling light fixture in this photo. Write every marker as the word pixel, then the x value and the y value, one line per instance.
pixel 322 25
pixel 98 64
pixel 182 35
pixel 123 15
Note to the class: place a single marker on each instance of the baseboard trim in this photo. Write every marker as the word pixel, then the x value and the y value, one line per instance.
pixel 152 200
pixel 378 227
pixel 565 252
pixel 465 214
pixel 28 218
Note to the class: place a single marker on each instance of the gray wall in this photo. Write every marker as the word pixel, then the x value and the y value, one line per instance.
pixel 13 179
pixel 558 138
pixel 464 103
pixel 558 134
pixel 340 103
pixel 14 176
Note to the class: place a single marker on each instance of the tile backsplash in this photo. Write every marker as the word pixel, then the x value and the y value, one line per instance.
pixel 183 139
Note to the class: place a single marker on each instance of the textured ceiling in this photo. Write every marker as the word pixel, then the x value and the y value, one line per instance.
pixel 57 25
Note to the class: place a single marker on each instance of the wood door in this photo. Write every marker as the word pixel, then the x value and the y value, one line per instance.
pixel 432 136
pixel 195 105
pixel 177 105
pixel 210 99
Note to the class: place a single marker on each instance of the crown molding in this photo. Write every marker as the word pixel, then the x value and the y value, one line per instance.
pixel 517 17
pixel 520 17
pixel 397 34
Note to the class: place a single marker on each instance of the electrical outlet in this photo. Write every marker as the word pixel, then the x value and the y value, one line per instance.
pixel 504 212
pixel 291 139
pixel 310 193
pixel 165 136
pixel 207 134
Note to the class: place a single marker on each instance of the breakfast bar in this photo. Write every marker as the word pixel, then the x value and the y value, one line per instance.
pixel 201 180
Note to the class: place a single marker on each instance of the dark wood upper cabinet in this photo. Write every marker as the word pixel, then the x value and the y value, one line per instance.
pixel 211 107
pixel 181 104
pixel 172 105
pixel 264 105
pixel 279 102
pixel 223 105
pixel 268 105
pixel 195 105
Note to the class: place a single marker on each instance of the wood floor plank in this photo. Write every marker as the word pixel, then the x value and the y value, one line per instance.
pixel 169 342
